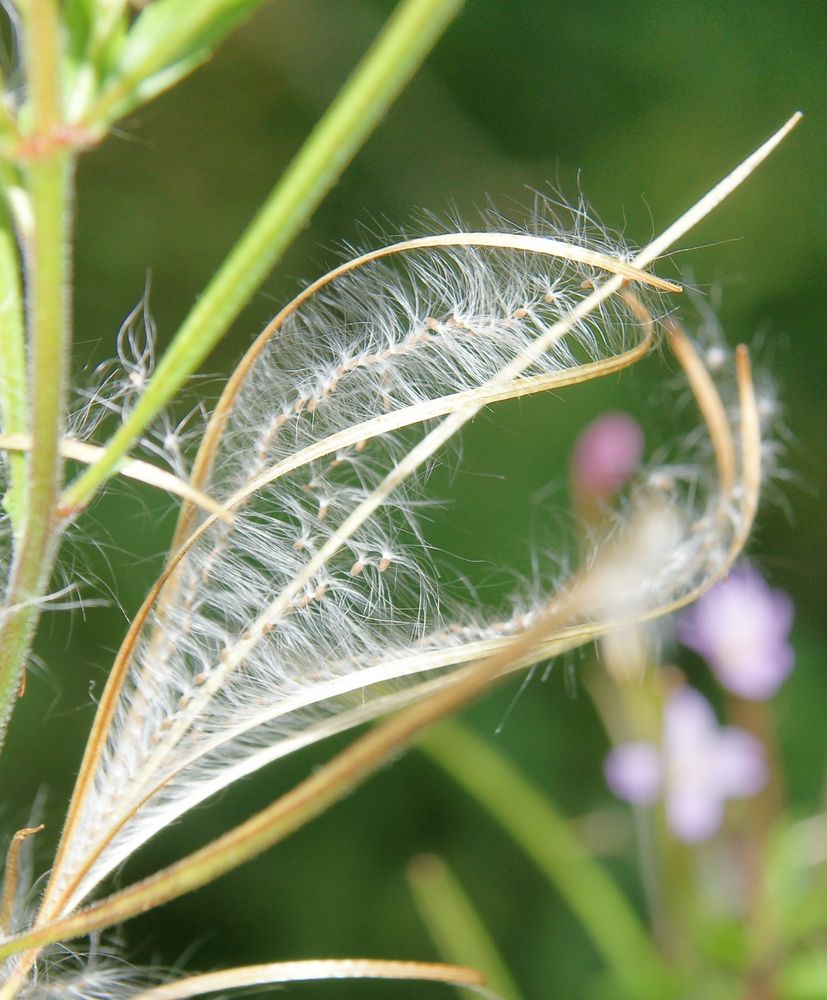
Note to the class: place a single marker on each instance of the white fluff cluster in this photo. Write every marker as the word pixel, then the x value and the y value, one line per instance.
pixel 116 385
pixel 251 650
pixel 310 603
pixel 318 607
pixel 95 976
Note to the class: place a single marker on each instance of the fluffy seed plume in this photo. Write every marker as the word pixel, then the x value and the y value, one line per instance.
pixel 315 607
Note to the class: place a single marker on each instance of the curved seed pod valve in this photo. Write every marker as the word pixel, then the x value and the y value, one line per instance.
pixel 312 607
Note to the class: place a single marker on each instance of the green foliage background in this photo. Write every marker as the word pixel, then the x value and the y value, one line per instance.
pixel 642 104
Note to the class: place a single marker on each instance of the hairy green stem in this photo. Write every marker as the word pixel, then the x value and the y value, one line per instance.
pixel 614 928
pixel 42 36
pixel 48 178
pixel 13 394
pixel 389 64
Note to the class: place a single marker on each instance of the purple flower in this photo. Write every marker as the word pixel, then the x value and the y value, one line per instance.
pixel 697 768
pixel 606 455
pixel 633 772
pixel 741 627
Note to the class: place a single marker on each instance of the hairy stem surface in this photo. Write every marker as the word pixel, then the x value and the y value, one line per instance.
pixel 47 264
pixel 13 391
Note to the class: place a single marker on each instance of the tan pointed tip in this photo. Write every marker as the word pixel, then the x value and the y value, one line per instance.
pixel 743 370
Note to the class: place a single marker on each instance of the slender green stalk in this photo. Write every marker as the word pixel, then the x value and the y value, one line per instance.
pixel 43 61
pixel 455 926
pixel 13 395
pixel 632 710
pixel 398 51
pixel 47 264
pixel 614 928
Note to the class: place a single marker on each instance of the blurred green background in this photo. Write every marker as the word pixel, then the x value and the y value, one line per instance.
pixel 642 105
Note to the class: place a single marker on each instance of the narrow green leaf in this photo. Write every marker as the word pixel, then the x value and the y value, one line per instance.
pixel 77 21
pixel 530 818
pixel 455 925
pixel 804 977
pixel 166 42
pixel 109 16
pixel 109 31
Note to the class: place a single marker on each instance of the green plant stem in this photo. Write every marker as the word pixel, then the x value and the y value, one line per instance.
pixel 455 926
pixel 43 62
pixel 389 64
pixel 48 176
pixel 13 395
pixel 631 709
pixel 548 839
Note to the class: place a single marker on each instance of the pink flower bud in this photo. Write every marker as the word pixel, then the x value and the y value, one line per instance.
pixel 606 455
